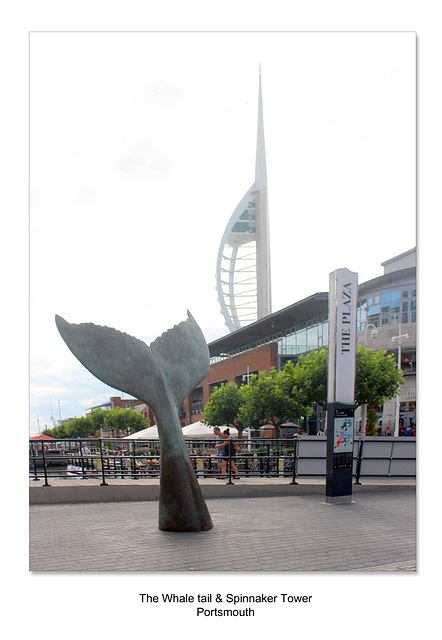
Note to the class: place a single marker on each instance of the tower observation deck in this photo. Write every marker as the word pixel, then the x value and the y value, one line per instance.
pixel 243 264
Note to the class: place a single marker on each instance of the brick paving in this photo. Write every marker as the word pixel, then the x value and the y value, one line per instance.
pixel 376 532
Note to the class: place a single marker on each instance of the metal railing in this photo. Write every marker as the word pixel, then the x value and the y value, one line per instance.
pixel 298 457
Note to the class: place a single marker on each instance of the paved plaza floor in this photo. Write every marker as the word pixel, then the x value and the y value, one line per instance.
pixel 376 532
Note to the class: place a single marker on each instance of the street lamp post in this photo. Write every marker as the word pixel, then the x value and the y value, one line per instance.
pixel 246 379
pixel 373 334
pixel 399 339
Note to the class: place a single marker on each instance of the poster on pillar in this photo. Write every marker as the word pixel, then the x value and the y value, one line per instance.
pixel 343 434
pixel 342 336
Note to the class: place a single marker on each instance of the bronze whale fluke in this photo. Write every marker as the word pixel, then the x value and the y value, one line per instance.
pixel 160 375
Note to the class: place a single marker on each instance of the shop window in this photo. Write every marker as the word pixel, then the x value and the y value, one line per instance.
pixel 385 300
pixel 217 385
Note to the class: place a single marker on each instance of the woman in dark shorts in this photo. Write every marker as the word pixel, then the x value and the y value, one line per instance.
pixel 227 451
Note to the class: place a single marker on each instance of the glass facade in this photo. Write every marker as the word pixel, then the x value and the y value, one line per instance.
pixel 304 337
pixel 387 307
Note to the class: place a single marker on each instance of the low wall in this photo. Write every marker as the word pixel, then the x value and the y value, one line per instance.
pixel 387 457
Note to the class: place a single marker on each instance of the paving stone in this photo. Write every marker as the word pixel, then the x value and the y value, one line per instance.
pixel 374 533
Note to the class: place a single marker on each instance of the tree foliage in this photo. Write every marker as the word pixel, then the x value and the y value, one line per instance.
pixel 287 395
pixel 311 373
pixel 124 420
pixel 224 407
pixel 377 377
pixel 370 427
pixel 274 399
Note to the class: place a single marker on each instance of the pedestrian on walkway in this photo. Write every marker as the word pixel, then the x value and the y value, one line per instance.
pixel 221 460
pixel 229 449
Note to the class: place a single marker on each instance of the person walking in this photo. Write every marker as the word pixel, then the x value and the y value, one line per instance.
pixel 229 449
pixel 221 460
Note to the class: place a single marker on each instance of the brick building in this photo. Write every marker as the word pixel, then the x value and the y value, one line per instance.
pixel 125 403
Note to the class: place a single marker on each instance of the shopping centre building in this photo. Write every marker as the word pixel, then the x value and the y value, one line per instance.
pixel 386 320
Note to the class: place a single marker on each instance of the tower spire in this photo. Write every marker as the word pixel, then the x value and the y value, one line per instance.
pixel 243 265
pixel 264 294
pixel 260 162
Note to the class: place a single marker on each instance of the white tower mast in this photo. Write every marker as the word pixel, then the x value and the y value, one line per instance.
pixel 243 265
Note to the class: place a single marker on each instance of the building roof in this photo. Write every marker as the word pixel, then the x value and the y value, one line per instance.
pixel 307 309
pixel 406 254
pixel 385 280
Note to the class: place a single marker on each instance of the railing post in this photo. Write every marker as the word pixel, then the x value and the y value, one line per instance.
pixel 121 464
pixel 391 458
pixel 46 484
pixel 359 462
pixel 134 464
pixel 295 457
pixel 103 483
pixel 82 460
pixel 34 463
pixel 230 462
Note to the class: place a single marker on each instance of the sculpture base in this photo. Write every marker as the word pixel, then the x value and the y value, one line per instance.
pixel 338 499
pixel 182 507
pixel 206 527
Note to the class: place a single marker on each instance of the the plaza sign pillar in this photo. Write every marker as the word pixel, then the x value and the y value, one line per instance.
pixel 342 303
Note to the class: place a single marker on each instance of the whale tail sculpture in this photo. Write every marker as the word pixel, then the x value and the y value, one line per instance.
pixel 161 375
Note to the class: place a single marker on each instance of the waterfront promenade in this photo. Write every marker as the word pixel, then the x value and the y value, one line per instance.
pixel 272 526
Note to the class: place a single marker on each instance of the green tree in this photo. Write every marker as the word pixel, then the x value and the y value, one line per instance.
pixel 377 378
pixel 311 372
pixel 224 407
pixel 370 427
pixel 98 419
pixel 274 399
pixel 125 420
pixel 79 428
pixel 49 432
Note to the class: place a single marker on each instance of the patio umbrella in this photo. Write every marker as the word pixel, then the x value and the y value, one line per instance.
pixel 151 433
pixel 42 437
pixel 199 430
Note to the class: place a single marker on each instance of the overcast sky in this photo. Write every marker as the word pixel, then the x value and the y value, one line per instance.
pixel 143 144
